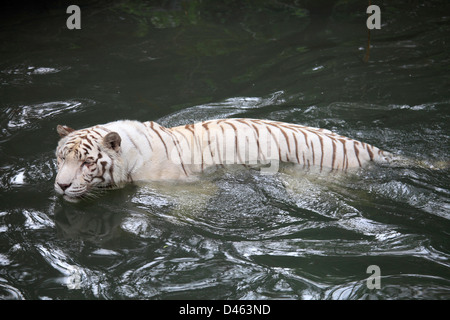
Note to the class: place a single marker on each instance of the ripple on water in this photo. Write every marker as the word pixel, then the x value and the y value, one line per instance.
pixel 38 169
pixel 8 292
pixel 29 117
pixel 396 287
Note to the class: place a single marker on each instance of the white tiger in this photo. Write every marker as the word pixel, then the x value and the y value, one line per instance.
pixel 112 154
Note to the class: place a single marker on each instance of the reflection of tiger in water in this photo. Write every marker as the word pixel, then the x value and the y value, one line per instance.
pixel 123 151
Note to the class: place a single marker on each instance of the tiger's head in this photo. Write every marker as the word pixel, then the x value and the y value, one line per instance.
pixel 87 160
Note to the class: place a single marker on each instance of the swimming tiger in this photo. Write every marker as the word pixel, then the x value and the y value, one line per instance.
pixel 114 153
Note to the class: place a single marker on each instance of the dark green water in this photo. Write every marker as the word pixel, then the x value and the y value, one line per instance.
pixel 249 237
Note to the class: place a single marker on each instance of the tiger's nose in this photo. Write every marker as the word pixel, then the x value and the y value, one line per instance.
pixel 64 186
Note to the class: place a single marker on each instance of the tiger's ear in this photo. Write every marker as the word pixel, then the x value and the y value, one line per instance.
pixel 63 130
pixel 112 140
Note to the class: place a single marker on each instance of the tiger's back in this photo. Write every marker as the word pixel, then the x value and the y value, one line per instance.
pixel 252 141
